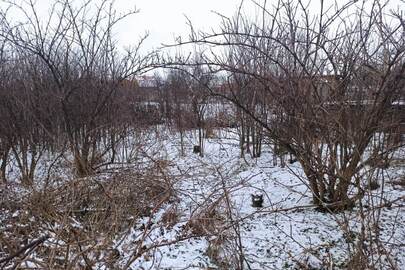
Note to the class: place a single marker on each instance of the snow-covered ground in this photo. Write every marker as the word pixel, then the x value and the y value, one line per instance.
pixel 213 220
pixel 286 233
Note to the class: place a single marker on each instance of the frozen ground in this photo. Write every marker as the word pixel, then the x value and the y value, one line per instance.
pixel 286 233
pixel 212 216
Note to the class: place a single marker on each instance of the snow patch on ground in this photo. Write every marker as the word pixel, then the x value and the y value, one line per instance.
pixel 271 237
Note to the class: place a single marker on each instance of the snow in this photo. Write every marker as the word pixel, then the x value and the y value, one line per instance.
pixel 285 234
pixel 271 237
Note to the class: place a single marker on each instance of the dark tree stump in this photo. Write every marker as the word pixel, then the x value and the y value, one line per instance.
pixel 196 149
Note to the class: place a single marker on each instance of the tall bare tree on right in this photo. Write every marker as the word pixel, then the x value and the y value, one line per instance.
pixel 332 80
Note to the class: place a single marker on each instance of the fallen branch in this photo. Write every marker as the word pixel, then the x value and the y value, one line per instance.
pixel 31 246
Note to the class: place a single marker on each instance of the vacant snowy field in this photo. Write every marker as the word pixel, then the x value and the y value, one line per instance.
pixel 286 233
pixel 210 222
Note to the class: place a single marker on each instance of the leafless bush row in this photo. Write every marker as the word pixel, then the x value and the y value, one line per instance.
pixel 325 88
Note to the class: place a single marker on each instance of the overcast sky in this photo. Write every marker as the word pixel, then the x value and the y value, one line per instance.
pixel 165 19
pixel 162 19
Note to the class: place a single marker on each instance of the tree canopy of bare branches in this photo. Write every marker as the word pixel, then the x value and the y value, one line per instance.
pixel 329 79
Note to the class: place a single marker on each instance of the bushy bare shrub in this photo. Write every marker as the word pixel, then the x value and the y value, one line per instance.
pixel 83 218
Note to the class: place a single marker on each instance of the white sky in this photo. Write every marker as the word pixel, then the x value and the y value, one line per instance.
pixel 162 19
pixel 165 19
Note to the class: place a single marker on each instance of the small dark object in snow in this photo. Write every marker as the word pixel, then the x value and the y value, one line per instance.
pixel 196 149
pixel 257 200
pixel 373 185
pixel 293 160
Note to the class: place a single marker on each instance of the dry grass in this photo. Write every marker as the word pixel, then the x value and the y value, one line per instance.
pixel 207 220
pixel 82 216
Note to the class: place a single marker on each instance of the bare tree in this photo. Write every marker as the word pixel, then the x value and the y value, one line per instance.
pixel 77 48
pixel 332 78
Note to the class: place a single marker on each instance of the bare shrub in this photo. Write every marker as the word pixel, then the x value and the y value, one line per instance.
pixel 171 216
pixel 83 217
pixel 316 92
pixel 207 220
